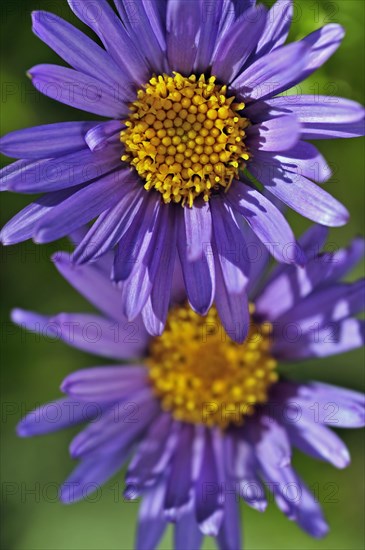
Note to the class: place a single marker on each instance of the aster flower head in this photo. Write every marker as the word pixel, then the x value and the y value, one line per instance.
pixel 190 91
pixel 207 421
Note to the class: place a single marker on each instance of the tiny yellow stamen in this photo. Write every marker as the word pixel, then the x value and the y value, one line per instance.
pixel 185 137
pixel 202 376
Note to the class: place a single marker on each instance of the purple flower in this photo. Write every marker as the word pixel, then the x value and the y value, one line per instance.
pixel 205 419
pixel 193 117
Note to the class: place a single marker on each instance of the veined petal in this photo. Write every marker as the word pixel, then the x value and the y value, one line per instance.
pixel 199 274
pixel 320 442
pixel 77 49
pixel 322 44
pixel 99 136
pixel 210 16
pixel 144 28
pixel 208 497
pixel 80 208
pixel 332 339
pixel 229 247
pixel 22 226
pixel 276 134
pixel 59 173
pixel 232 51
pixel 187 532
pixel 49 140
pixel 151 521
pixel 79 91
pixel 182 23
pixel 272 73
pixel 55 416
pixel 95 285
pixel 301 194
pixel 90 474
pixel 179 481
pixel 105 385
pixel 267 222
pixel 153 454
pixel 104 22
pixel 90 333
pixel 277 27
pixel 303 159
pixel 155 311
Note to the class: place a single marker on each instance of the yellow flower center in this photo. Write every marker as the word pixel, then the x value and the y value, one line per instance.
pixel 202 376
pixel 185 137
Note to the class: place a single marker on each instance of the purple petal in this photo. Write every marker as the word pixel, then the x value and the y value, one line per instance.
pixel 272 73
pixel 179 482
pixel 271 441
pixel 98 137
pixel 137 289
pixel 210 18
pixel 77 49
pixel 64 171
pixel 182 23
pixel 333 339
pixel 301 194
pixel 153 454
pixel 151 521
pixel 232 51
pixel 123 49
pixel 319 442
pixel 119 426
pixel 267 222
pixel 198 275
pixel 49 140
pixel 232 308
pixel 198 230
pixel 155 311
pixel 55 416
pixel 112 224
pixel 93 284
pixel 208 498
pixel 80 208
pixel 286 286
pixel 322 403
pixel 89 333
pixel 329 304
pixel 80 91
pixel 187 532
pixel 229 536
pixel 21 226
pixel 295 500
pixel 105 384
pixel 143 25
pixel 321 44
pixel 138 241
pixel 321 117
pixel 303 159
pixel 89 475
pixel 277 27
pixel 241 467
pixel 276 134
pixel 229 247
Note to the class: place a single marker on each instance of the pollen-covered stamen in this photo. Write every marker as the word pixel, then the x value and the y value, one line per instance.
pixel 202 376
pixel 185 137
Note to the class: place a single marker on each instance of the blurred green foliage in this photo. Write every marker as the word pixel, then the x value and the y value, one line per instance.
pixel 33 368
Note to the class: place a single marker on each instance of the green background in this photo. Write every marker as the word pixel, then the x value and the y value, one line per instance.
pixel 33 368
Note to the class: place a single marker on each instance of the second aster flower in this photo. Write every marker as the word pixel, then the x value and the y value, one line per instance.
pixel 207 420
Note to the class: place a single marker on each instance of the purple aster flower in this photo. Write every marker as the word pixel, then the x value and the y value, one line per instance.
pixel 205 419
pixel 194 117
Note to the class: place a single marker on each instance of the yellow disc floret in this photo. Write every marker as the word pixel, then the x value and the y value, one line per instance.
pixel 185 137
pixel 202 376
